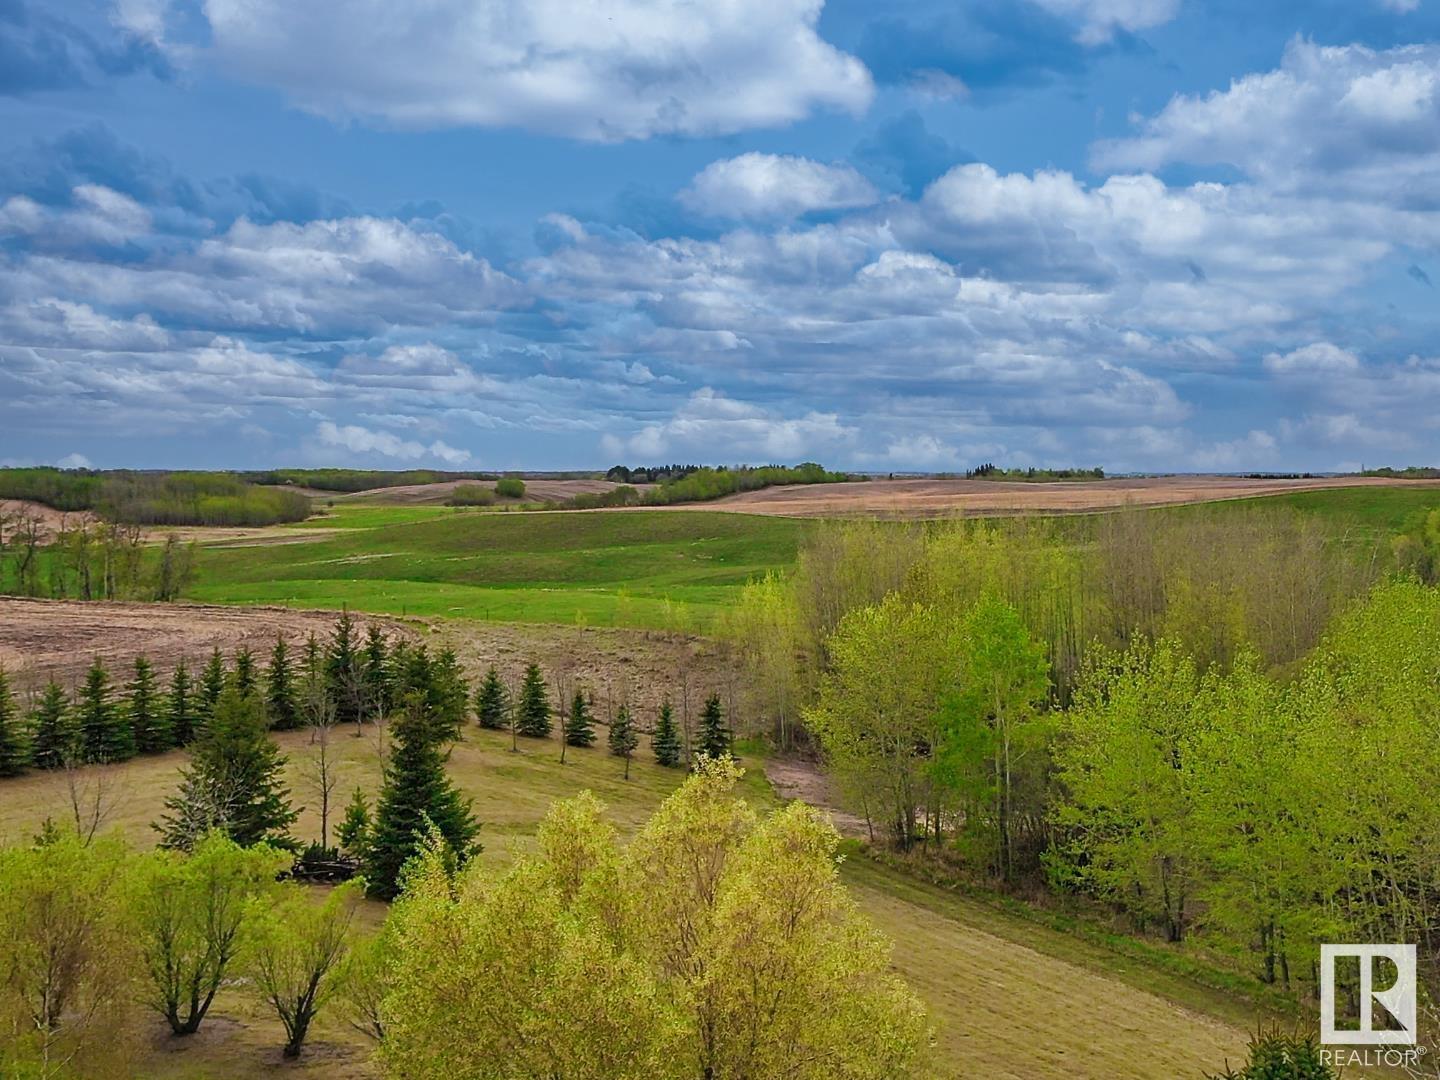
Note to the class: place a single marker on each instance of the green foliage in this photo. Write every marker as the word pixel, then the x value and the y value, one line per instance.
pixel 233 783
pixel 995 472
pixel 714 738
pixel 146 713
pixel 533 714
pixel 67 949
pixel 702 485
pixel 355 479
pixel 623 738
pixel 282 702
pixel 416 795
pixel 579 726
pixel 353 832
pixel 178 498
pixel 52 730
pixel 1274 1055
pixel 1128 760
pixel 471 495
pixel 447 696
pixel 105 732
pixel 510 487
pixel 181 706
pixel 665 741
pixel 14 753
pixel 376 677
pixel 212 685
pixel 344 673
pixel 714 945
pixel 989 741
pixel 191 913
pixel 892 666
pixel 492 702
pixel 242 674
pixel 298 954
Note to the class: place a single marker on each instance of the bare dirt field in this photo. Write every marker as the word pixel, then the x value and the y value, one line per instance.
pixel 549 491
pixel 938 498
pixel 44 639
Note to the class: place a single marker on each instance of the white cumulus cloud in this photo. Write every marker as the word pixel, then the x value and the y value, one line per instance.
pixel 604 70
pixel 756 185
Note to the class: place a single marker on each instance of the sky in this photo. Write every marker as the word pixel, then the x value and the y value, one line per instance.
pixel 1150 235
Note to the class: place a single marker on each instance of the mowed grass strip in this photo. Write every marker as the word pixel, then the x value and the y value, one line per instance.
pixel 647 569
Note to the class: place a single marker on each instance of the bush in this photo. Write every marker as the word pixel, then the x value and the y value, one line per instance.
pixel 1277 1056
pixel 471 495
pixel 510 487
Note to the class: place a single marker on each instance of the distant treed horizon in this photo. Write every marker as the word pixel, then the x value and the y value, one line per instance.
pixel 1159 236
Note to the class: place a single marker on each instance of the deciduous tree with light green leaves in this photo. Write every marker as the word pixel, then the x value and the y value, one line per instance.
pixel 991 732
pixel 192 916
pixel 298 954
pixel 715 944
pixel 878 710
pixel 1126 760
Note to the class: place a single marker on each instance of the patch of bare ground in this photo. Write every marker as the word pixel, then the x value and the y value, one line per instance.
pixel 931 498
pixel 546 491
pixel 59 639
pixel 800 778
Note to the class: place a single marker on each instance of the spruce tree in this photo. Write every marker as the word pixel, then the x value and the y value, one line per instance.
pixel 343 671
pixel 579 727
pixel 180 707
pixel 52 733
pixel 623 738
pixel 375 665
pixel 714 739
pixel 533 716
pixel 281 703
pixel 233 782
pixel 14 754
pixel 144 711
pixel 448 696
pixel 416 793
pixel 353 832
pixel 666 739
pixel 105 733
pixel 212 685
pixel 244 676
pixel 492 705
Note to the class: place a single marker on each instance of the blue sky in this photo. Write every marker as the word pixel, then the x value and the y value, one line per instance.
pixel 1146 234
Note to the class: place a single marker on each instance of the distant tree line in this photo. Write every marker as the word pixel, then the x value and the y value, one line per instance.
pixel 1410 472
pixel 350 480
pixel 146 498
pixel 648 474
pixel 990 471
pixel 703 483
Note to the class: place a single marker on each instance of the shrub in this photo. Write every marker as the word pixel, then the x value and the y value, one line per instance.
pixel 510 487
pixel 471 495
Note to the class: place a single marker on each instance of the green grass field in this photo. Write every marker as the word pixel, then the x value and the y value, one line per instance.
pixel 647 569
